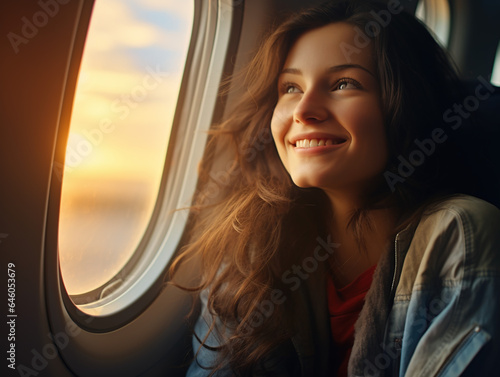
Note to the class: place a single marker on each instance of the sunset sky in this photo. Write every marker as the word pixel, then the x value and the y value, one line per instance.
pixel 123 110
pixel 125 43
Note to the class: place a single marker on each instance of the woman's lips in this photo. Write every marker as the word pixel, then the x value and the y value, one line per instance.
pixel 311 147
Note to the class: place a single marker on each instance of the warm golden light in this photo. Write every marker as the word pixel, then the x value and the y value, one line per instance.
pixel 120 127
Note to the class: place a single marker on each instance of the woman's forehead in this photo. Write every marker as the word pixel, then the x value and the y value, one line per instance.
pixel 332 45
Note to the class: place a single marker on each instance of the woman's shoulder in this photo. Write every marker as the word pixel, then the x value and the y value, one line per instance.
pixel 467 210
pixel 466 203
pixel 461 228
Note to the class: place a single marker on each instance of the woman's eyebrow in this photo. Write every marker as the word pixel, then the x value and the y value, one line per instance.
pixel 343 67
pixel 293 71
pixel 334 69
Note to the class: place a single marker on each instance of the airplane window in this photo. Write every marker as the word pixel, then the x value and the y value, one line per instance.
pixel 121 122
pixel 495 76
pixel 436 15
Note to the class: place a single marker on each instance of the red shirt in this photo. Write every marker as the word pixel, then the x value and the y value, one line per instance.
pixel 344 305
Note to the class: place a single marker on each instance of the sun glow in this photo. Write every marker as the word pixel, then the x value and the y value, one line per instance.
pixel 120 127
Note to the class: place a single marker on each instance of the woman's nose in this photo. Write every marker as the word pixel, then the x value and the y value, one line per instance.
pixel 311 108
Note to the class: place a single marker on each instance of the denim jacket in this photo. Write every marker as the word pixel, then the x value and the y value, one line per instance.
pixel 433 308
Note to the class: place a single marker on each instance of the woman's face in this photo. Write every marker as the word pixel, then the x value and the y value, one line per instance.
pixel 328 125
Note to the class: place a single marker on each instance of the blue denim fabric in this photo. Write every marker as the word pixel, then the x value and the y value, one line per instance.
pixel 205 358
pixel 444 319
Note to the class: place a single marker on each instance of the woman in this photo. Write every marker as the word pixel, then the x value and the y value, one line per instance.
pixel 342 206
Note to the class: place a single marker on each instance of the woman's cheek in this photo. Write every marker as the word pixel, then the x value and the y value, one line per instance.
pixel 278 131
pixel 278 126
pixel 281 112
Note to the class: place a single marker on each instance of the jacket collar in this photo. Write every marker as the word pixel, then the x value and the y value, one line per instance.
pixel 370 326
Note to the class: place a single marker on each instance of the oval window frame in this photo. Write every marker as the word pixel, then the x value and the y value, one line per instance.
pixel 212 38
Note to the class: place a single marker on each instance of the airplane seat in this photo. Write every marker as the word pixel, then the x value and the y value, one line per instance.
pixel 477 138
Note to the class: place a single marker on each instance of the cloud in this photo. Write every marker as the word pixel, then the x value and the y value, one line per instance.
pixel 117 27
pixel 181 9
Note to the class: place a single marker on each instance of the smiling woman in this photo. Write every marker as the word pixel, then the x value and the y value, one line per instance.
pixel 328 123
pixel 346 89
pixel 120 127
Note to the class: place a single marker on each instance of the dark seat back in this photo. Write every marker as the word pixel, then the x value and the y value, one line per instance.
pixel 479 139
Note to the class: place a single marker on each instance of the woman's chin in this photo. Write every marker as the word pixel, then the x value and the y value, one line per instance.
pixel 308 182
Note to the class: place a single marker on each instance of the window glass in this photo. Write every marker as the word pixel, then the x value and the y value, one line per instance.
pixel 122 114
pixel 436 15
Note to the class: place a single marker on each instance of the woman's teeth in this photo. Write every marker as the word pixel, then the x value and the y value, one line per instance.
pixel 311 143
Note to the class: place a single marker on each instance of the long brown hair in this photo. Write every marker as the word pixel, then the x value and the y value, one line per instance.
pixel 252 223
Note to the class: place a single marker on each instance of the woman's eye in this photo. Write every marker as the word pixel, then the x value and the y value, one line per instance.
pixel 288 88
pixel 347 84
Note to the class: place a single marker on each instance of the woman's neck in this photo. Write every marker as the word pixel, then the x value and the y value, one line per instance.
pixel 362 240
